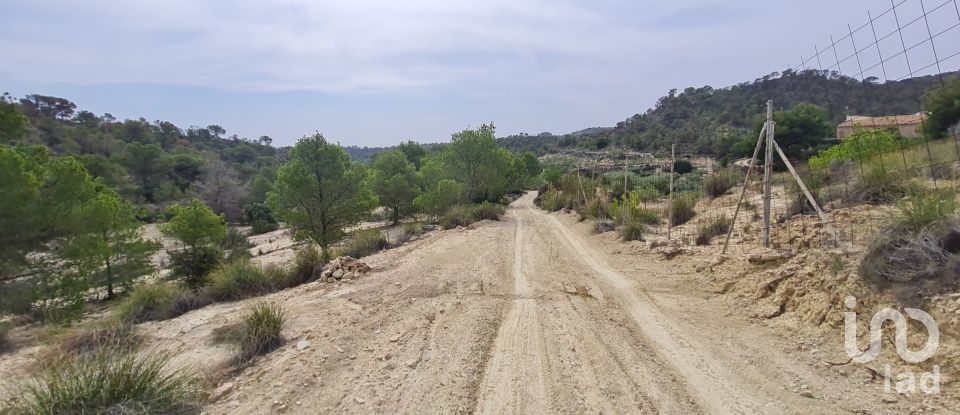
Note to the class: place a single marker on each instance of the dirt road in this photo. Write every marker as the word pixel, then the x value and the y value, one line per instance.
pixel 526 315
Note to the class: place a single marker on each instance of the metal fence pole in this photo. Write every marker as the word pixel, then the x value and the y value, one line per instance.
pixel 767 176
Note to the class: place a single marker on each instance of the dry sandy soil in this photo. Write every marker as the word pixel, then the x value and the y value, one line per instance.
pixel 532 314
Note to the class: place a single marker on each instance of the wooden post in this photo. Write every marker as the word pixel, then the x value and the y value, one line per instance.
pixel 768 176
pixel 746 182
pixel 673 162
pixel 827 223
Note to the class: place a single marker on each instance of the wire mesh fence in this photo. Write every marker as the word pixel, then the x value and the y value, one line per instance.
pixel 859 178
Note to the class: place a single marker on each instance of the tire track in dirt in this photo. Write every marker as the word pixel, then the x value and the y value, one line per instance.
pixel 705 379
pixel 513 381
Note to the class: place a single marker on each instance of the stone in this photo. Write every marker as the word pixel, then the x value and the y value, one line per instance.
pixel 303 345
pixel 395 338
pixel 806 394
pixel 338 274
pixel 349 276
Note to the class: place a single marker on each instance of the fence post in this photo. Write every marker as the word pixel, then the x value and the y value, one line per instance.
pixel 673 162
pixel 767 176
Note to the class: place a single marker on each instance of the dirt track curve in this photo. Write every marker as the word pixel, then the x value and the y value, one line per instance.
pixel 525 315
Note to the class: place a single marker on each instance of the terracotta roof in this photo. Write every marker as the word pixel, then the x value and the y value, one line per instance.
pixel 887 121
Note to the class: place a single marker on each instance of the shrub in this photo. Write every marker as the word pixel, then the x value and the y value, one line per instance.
pixel 629 210
pixel 552 200
pixel 487 210
pixel 648 193
pixel 157 301
pixel 682 209
pixel 660 182
pixel 682 166
pixel 239 280
pixel 113 334
pixel 107 382
pixel 414 228
pixel 879 186
pixel 16 297
pixel 261 226
pixel 604 226
pixel 260 218
pixel 716 227
pixel 5 328
pixel 194 265
pixel 632 231
pixel 718 184
pixel 862 145
pixel 902 256
pixel 799 204
pixel 460 215
pixel 260 332
pixel 307 264
pixel 924 208
pixel 365 242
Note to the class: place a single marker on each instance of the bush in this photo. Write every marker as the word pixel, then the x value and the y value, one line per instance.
pixel 460 215
pixel 261 226
pixel 239 280
pixel 648 193
pixel 879 186
pixel 552 200
pixel 604 226
pixel 194 265
pixel 632 231
pixel 114 335
pixel 682 209
pixel 260 218
pixel 16 297
pixel 922 209
pixel 902 256
pixel 661 183
pixel 5 328
pixel 716 227
pixel 261 330
pixel 365 242
pixel 307 264
pixel 487 210
pixel 718 184
pixel 414 228
pixel 682 166
pixel 157 301
pixel 107 382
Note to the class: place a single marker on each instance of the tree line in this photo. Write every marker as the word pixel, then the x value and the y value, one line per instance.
pixel 711 121
pixel 79 189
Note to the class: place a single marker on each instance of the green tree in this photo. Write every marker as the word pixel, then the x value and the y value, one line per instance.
pixel 395 183
pixel 474 160
pixel 413 151
pixel 13 124
pixel 109 249
pixel 148 165
pixel 943 106
pixel 801 131
pixel 200 232
pixel 320 192
pixel 439 198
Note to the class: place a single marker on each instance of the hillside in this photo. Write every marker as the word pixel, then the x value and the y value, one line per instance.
pixel 152 163
pixel 710 120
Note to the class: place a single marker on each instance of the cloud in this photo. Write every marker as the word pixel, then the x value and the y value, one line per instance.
pixel 330 46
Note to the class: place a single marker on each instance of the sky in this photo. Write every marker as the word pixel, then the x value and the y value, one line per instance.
pixel 374 73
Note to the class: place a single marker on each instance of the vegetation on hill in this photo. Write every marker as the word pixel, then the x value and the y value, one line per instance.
pixel 712 121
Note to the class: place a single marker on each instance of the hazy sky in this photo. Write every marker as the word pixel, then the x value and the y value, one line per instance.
pixel 376 72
